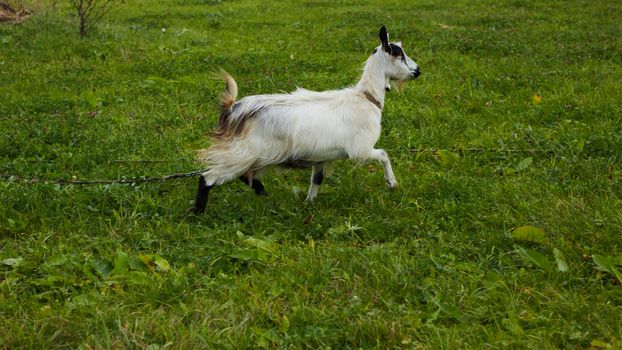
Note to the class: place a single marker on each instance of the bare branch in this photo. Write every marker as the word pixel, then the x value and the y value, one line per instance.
pixel 92 11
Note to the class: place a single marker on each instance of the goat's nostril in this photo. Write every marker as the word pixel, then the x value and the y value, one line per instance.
pixel 416 73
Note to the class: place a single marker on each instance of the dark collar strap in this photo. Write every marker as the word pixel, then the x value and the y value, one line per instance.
pixel 372 99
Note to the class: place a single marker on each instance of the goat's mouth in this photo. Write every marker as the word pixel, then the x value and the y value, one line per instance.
pixel 415 74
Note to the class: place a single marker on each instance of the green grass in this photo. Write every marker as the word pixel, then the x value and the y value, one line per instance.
pixel 436 263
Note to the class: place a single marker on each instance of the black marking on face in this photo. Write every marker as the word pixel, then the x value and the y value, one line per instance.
pixel 375 50
pixel 397 51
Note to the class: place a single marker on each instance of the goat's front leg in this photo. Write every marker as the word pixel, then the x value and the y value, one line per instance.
pixel 382 156
pixel 316 180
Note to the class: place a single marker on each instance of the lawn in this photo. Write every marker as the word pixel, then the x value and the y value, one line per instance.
pixel 505 231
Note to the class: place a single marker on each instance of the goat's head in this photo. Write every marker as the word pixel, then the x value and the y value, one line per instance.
pixel 397 65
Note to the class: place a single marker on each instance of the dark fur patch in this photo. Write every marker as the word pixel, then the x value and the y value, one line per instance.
pixel 257 186
pixel 228 127
pixel 201 199
pixel 384 38
pixel 318 177
pixel 397 51
pixel 297 164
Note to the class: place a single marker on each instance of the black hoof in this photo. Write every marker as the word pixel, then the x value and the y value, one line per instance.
pixel 196 211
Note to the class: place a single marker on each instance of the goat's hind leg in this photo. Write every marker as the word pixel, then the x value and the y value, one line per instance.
pixel 201 198
pixel 316 180
pixel 254 183
pixel 329 169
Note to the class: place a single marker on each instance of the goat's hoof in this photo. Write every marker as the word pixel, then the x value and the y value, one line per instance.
pixel 392 184
pixel 196 211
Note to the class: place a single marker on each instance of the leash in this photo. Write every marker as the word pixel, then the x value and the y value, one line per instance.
pixel 74 181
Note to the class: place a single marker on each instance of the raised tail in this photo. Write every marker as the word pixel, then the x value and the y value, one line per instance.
pixel 227 99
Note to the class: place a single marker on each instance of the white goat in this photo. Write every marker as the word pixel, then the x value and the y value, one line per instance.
pixel 304 128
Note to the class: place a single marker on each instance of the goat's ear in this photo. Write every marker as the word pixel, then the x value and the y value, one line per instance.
pixel 384 39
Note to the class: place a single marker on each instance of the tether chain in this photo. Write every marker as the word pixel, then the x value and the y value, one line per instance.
pixel 73 181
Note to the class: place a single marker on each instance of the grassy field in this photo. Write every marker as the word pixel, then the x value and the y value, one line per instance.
pixel 505 231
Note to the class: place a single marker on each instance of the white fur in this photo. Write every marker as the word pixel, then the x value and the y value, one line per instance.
pixel 317 127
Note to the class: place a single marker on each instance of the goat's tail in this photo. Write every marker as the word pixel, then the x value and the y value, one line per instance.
pixel 227 99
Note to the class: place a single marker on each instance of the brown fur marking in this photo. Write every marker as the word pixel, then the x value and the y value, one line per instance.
pixel 229 127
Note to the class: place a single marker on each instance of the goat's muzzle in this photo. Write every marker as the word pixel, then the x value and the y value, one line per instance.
pixel 415 74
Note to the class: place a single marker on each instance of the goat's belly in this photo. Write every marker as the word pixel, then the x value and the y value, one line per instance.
pixel 308 160
pixel 328 155
pixel 319 151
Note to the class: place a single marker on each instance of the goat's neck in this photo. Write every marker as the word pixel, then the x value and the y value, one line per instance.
pixel 373 80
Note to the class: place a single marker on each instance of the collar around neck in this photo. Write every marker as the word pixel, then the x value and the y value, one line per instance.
pixel 371 98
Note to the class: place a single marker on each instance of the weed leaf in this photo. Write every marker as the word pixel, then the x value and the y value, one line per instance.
pixel 606 264
pixel 14 262
pixel 103 267
pixel 559 259
pixel 16 226
pixel 137 278
pixel 121 263
pixel 261 244
pixel 283 322
pixel 156 261
pixel 447 158
pixel 524 164
pixel 56 260
pixel 138 264
pixel 492 280
pixel 534 258
pixel 529 234
pixel 599 344
pixel 244 254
